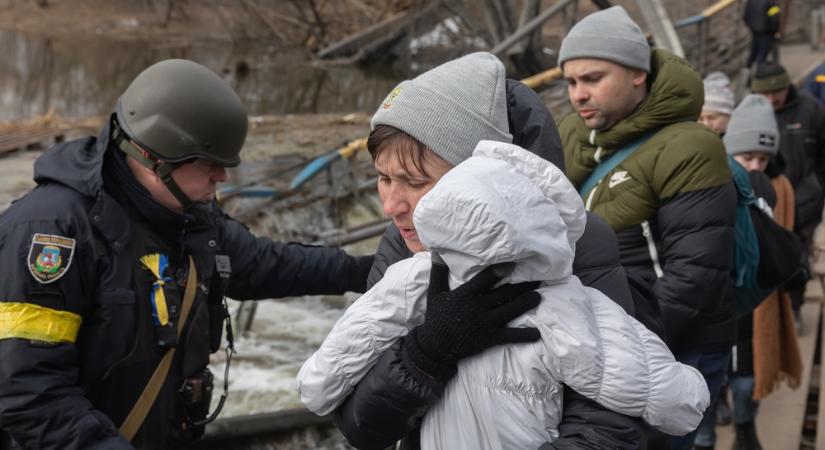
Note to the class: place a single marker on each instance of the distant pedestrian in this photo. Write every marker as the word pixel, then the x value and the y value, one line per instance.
pixel 719 103
pixel 716 112
pixel 814 83
pixel 801 157
pixel 762 19
pixel 767 350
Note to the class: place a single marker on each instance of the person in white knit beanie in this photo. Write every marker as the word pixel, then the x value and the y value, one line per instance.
pixel 719 102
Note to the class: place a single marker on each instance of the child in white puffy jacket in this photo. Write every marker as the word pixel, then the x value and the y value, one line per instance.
pixel 505 204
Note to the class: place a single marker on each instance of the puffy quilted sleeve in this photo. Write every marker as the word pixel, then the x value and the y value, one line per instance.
pixel 369 327
pixel 606 355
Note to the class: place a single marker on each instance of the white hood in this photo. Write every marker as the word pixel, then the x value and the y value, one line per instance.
pixel 504 204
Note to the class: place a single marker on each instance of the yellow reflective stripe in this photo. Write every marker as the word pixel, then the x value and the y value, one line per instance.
pixel 820 78
pixel 29 321
pixel 773 10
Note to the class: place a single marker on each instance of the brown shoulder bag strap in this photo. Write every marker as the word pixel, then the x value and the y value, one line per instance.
pixel 150 393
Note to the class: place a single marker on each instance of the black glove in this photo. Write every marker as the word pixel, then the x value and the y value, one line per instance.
pixel 467 320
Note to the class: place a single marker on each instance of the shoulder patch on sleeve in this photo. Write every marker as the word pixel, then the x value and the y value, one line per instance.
pixel 49 257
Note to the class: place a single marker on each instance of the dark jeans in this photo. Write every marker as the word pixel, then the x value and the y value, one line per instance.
pixel 712 366
pixel 744 406
pixel 761 47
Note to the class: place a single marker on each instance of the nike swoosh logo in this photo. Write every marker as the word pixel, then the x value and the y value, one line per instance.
pixel 618 178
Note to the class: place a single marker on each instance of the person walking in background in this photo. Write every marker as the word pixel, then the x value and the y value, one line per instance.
pixel 716 112
pixel 767 349
pixel 719 102
pixel 671 200
pixel 801 158
pixel 814 83
pixel 762 19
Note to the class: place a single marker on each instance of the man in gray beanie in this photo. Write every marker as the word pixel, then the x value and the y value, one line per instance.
pixel 423 128
pixel 668 194
pixel 719 103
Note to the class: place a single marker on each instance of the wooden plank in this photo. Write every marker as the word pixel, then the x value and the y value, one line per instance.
pixel 21 140
pixel 542 78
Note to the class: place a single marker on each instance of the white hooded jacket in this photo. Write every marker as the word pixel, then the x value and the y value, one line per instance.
pixel 505 204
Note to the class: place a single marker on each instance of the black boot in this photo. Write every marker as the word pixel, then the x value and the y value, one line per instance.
pixel 746 438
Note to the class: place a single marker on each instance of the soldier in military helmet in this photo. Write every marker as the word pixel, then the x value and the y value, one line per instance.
pixel 116 265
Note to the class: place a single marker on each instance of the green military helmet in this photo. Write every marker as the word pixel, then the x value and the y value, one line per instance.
pixel 179 110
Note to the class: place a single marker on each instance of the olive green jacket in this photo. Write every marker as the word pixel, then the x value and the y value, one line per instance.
pixel 670 202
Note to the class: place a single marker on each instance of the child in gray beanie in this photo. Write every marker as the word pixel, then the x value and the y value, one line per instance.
pixel 753 135
pixel 609 34
pixel 466 94
pixel 719 103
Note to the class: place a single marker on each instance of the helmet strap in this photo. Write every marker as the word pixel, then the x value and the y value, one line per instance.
pixel 164 171
pixel 161 168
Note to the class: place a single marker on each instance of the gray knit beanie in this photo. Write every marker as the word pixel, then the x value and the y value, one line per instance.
pixel 718 95
pixel 452 107
pixel 752 127
pixel 609 34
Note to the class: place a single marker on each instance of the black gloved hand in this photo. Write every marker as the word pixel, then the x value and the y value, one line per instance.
pixel 467 320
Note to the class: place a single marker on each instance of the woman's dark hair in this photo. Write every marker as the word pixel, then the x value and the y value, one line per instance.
pixel 405 147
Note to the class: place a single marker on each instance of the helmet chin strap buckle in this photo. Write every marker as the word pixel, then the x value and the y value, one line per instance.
pixel 163 169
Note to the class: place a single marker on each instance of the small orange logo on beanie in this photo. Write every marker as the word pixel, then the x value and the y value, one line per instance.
pixel 391 97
